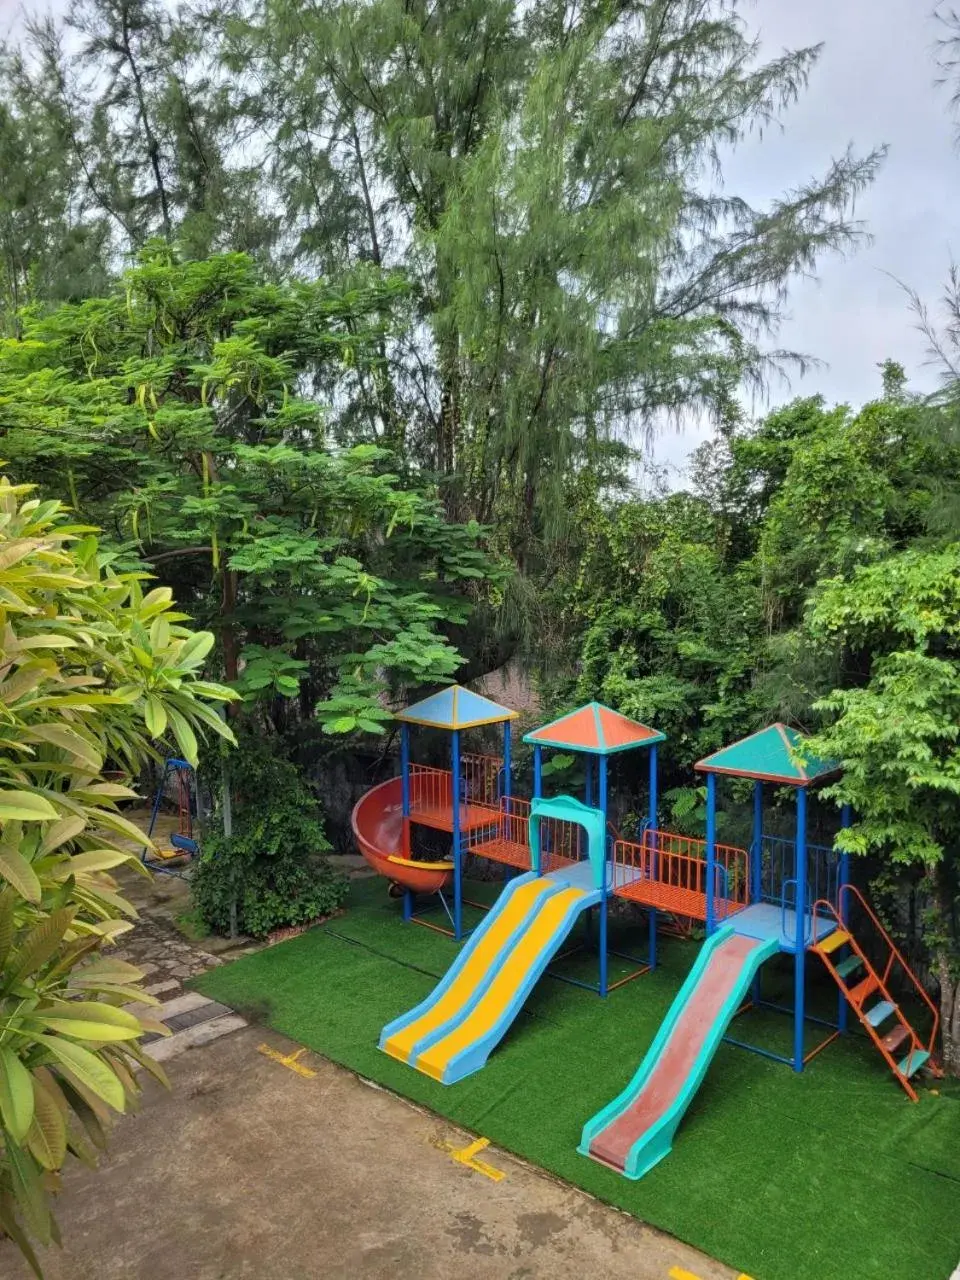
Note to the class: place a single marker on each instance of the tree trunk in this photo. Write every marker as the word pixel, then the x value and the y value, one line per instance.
pixel 153 146
pixel 949 1012
pixel 448 438
pixel 228 598
pixel 947 965
pixel 231 664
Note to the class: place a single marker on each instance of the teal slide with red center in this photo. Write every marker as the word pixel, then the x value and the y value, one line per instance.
pixel 635 1131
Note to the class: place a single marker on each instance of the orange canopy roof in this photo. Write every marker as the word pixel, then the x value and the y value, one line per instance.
pixel 594 728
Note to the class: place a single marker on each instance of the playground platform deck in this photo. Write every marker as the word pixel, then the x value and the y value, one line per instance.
pixel 440 816
pixel 764 920
pixel 634 885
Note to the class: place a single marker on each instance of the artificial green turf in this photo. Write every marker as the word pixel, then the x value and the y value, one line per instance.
pixel 828 1175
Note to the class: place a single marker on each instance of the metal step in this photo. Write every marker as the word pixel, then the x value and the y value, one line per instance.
pixel 911 1064
pixel 863 989
pixel 895 1038
pixel 880 1013
pixel 850 965
pixel 833 941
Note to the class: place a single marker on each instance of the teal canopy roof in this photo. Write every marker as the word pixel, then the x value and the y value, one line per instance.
pixel 456 708
pixel 768 756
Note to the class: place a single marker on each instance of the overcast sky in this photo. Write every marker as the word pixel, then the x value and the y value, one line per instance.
pixel 874 84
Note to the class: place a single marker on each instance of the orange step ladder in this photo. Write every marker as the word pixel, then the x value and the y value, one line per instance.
pixel 866 989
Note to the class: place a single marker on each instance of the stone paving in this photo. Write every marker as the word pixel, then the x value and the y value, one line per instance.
pixel 164 955
pixel 168 959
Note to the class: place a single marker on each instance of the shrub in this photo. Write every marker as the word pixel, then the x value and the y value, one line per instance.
pixel 90 668
pixel 272 866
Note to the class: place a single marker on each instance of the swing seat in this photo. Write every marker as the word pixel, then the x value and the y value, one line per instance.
pixel 183 844
pixel 165 854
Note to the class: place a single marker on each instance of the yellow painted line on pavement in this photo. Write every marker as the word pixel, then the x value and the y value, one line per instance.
pixel 290 1061
pixel 678 1273
pixel 468 1156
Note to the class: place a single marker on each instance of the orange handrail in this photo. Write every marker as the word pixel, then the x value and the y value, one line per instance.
pixel 669 871
pixel 838 914
pixel 481 778
pixel 432 788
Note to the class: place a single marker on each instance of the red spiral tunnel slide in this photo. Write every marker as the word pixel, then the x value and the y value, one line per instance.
pixel 377 822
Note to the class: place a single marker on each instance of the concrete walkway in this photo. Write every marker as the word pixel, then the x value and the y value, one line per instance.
pixel 266 1163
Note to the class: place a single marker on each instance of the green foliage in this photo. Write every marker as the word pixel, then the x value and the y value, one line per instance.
pixel 898 733
pixel 169 409
pixel 271 869
pixel 91 669
pixel 687 807
pixel 547 179
pixel 811 582
pixel 659 627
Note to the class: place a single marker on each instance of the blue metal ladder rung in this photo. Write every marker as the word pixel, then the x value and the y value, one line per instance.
pixel 879 1013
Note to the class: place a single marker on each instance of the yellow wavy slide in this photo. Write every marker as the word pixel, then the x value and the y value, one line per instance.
pixel 464 1048
pixel 475 962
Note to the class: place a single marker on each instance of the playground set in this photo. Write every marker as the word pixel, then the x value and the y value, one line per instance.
pixel 565 861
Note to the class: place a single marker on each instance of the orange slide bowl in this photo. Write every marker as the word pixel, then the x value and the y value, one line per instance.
pixel 377 822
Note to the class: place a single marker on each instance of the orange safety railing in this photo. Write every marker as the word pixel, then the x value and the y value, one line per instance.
pixel 561 843
pixel 431 792
pixel 430 789
pixel 669 872
pixel 507 840
pixel 892 966
pixel 480 779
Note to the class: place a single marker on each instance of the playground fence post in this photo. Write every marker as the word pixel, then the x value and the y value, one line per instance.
pixel 800 957
pixel 652 824
pixel 711 850
pixel 603 891
pixel 843 877
pixel 405 810
pixel 457 860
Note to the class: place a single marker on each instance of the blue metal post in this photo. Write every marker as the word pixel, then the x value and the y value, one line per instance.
pixel 652 820
pixel 799 960
pixel 843 877
pixel 756 863
pixel 507 783
pixel 588 799
pixel 602 763
pixel 537 772
pixel 405 810
pixel 711 849
pixel 457 859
